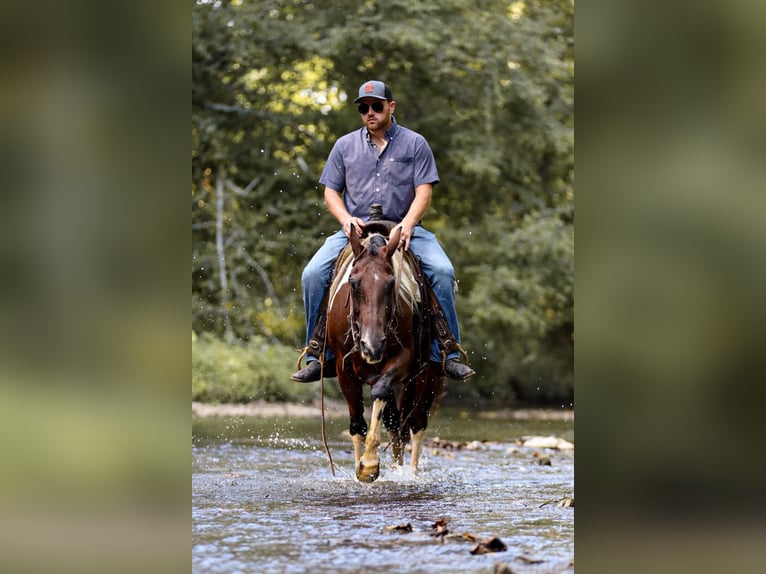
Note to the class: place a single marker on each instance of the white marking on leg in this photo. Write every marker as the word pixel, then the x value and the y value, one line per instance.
pixel 358 442
pixel 417 445
pixel 370 456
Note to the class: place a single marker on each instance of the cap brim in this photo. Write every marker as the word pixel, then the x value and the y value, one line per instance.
pixel 360 98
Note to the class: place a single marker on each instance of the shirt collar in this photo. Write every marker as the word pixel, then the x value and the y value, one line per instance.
pixel 390 132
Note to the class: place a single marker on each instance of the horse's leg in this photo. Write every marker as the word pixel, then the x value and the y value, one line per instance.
pixel 368 468
pixel 352 391
pixel 382 394
pixel 417 445
pixel 425 390
pixel 358 441
pixel 391 420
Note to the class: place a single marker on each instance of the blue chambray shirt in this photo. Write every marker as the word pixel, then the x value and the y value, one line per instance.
pixel 366 177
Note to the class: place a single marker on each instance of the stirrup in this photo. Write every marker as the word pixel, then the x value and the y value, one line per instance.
pixel 300 358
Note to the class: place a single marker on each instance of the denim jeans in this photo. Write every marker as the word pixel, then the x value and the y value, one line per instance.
pixel 436 266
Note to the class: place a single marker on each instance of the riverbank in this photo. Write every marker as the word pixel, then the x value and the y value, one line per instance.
pixel 335 408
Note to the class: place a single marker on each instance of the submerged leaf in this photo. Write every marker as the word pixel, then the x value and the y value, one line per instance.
pixel 489 545
pixel 439 528
pixel 400 528
pixel 542 459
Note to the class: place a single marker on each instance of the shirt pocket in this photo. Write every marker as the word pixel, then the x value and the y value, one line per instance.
pixel 401 170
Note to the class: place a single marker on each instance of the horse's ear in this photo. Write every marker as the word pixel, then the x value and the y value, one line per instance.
pixel 356 245
pixel 393 242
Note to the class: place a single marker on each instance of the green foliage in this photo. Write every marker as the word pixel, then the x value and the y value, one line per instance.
pixel 237 372
pixel 519 313
pixel 490 85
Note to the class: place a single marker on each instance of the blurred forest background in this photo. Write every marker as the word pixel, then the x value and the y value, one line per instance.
pixel 488 83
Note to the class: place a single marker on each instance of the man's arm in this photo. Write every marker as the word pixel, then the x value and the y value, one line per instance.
pixel 334 202
pixel 417 210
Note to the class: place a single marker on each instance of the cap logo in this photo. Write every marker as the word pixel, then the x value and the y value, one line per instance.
pixel 368 88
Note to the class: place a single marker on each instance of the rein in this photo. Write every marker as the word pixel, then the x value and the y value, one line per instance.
pixel 321 403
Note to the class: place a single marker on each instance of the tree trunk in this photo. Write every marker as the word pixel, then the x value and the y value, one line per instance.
pixel 221 254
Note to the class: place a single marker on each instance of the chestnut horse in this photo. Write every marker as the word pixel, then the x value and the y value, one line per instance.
pixel 376 329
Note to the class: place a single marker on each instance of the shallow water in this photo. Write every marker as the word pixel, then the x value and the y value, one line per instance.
pixel 264 499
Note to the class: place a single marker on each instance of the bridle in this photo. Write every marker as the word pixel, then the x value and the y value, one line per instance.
pixel 390 327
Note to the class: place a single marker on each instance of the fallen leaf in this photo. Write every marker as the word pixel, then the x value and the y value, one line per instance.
pixel 542 459
pixel 400 527
pixel 439 528
pixel 489 545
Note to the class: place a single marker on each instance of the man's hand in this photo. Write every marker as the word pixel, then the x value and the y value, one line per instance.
pixel 404 241
pixel 358 223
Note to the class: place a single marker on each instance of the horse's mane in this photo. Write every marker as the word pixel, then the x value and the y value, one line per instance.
pixel 409 291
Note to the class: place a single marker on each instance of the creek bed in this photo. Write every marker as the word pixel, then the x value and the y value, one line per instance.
pixel 264 499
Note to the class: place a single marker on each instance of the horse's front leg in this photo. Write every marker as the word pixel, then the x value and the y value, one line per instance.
pixel 391 419
pixel 352 391
pixel 368 467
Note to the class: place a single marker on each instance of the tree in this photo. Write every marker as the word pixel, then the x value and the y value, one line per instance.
pixel 490 85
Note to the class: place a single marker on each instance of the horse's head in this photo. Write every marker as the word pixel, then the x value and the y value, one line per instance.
pixel 373 294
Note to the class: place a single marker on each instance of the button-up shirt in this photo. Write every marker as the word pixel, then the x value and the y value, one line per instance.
pixel 366 176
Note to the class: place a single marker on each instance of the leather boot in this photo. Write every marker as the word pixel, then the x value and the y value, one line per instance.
pixel 312 372
pixel 458 371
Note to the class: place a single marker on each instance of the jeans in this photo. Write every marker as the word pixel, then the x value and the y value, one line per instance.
pixel 436 266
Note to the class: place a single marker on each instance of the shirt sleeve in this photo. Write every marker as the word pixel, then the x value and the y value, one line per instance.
pixel 334 172
pixel 425 164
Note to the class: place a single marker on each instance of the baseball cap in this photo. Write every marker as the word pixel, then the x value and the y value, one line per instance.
pixel 374 89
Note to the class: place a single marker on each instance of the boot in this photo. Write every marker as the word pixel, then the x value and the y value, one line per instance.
pixel 458 371
pixel 312 372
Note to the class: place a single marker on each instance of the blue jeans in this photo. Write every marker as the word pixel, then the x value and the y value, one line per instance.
pixel 436 266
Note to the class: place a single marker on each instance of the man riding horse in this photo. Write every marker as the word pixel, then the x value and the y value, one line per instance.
pixel 389 165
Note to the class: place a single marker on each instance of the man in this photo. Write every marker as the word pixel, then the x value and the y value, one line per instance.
pixel 387 164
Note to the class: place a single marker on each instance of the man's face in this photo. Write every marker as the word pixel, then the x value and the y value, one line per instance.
pixel 372 118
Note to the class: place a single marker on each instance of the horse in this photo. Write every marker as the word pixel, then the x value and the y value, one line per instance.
pixel 377 330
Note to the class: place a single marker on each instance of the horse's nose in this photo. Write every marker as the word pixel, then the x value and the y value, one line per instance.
pixel 372 351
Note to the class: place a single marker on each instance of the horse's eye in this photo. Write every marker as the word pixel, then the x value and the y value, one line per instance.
pixel 390 285
pixel 354 284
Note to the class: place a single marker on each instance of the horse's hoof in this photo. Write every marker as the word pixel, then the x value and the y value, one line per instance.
pixel 367 473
